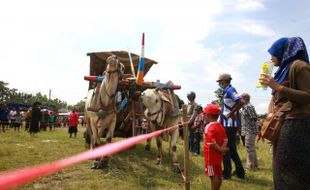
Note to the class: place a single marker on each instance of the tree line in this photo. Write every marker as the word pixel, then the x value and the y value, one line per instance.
pixel 12 95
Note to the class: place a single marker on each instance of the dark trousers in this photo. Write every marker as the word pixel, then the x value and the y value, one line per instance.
pixel 191 140
pixel 232 154
pixel 196 142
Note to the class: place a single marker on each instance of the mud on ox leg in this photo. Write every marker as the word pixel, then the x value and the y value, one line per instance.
pixel 103 162
pixel 159 150
pixel 173 144
pixel 149 141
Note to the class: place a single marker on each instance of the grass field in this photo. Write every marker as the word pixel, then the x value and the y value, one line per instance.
pixel 132 169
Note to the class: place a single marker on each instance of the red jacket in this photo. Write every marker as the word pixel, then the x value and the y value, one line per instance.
pixel 73 119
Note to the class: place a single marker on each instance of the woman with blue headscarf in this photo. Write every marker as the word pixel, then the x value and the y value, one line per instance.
pixel 291 95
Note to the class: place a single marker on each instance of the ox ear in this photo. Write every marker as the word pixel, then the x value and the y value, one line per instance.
pixel 163 97
pixel 122 68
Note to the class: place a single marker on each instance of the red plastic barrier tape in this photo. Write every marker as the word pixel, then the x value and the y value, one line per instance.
pixel 20 177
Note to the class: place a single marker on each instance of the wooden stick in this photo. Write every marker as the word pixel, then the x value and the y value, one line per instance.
pixel 133 116
pixel 186 151
pixel 131 64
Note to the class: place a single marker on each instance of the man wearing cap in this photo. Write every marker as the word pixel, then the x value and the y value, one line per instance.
pixel 230 119
pixel 191 115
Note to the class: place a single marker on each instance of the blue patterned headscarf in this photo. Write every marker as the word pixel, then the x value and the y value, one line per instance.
pixel 287 50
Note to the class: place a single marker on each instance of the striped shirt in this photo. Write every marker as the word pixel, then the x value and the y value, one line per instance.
pixel 230 98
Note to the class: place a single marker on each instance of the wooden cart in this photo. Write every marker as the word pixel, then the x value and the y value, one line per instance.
pixel 127 118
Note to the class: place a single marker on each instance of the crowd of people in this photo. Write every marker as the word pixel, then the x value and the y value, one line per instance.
pixel 221 127
pixel 36 119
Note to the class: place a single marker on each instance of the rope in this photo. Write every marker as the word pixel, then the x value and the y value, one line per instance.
pixel 20 177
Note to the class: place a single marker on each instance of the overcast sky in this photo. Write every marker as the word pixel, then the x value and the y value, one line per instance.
pixel 43 44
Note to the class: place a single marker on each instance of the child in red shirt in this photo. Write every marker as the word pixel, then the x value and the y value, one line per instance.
pixel 215 145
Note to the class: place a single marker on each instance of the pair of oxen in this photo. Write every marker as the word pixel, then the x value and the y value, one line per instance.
pixel 161 110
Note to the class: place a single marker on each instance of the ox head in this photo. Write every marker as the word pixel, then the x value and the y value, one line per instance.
pixel 114 65
pixel 153 101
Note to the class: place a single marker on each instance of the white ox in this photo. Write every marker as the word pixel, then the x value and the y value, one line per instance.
pixel 100 109
pixel 162 110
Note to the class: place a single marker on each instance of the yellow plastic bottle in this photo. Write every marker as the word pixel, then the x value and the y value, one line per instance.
pixel 267 68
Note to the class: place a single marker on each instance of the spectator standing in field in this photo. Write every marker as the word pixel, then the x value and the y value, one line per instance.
pixel 230 119
pixel 18 121
pixel 44 120
pixel 144 126
pixel 58 121
pixel 197 129
pixel 191 114
pixel 291 96
pixel 35 118
pixel 28 119
pixel 65 121
pixel 215 145
pixel 4 117
pixel 12 117
pixel 250 131
pixel 73 122
pixel 52 120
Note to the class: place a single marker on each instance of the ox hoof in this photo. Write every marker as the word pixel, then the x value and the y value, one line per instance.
pixel 147 147
pixel 94 165
pixel 158 161
pixel 177 169
pixel 102 164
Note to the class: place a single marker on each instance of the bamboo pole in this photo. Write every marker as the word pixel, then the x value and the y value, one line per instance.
pixel 186 151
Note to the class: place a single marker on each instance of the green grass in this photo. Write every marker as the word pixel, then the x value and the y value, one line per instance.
pixel 132 169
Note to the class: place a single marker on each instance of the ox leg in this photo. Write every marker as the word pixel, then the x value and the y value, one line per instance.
pixel 104 161
pixel 173 145
pixel 149 141
pixel 159 150
pixel 88 134
pixel 148 144
pixel 94 141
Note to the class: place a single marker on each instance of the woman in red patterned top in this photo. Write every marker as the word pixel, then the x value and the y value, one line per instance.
pixel 215 146
pixel 73 122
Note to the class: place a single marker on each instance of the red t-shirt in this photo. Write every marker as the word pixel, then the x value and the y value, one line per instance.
pixel 73 119
pixel 214 133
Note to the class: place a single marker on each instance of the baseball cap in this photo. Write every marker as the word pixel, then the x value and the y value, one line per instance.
pixel 224 76
pixel 212 109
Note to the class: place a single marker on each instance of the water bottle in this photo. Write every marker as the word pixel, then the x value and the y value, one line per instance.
pixel 267 68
